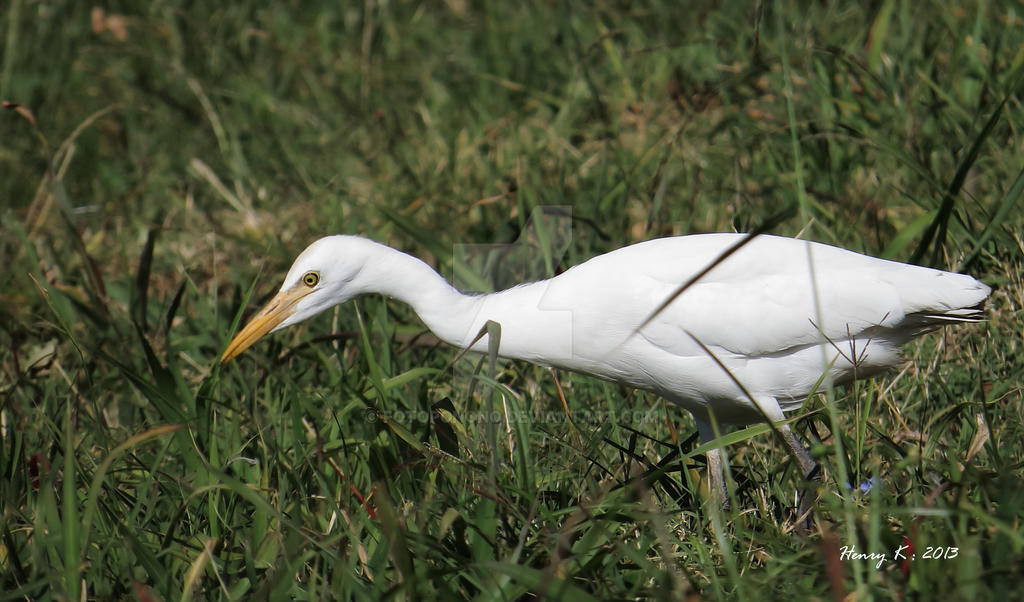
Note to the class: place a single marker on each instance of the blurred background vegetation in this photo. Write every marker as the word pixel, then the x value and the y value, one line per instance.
pixel 161 164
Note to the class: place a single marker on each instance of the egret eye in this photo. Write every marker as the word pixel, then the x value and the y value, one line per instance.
pixel 311 279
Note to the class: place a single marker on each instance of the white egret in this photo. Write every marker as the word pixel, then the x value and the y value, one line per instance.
pixel 747 341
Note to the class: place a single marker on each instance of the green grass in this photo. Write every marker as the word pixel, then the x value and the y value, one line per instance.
pixel 166 163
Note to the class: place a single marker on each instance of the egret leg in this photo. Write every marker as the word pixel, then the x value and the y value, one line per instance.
pixel 715 457
pixel 808 466
pixel 772 411
pixel 812 476
pixel 809 469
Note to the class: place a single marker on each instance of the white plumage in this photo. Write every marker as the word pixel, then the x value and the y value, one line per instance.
pixel 778 314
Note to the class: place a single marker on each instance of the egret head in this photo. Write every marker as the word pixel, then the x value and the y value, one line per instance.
pixel 322 276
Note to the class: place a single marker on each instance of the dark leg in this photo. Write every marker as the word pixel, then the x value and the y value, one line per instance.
pixel 811 472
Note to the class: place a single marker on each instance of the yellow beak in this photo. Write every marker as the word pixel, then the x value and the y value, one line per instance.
pixel 276 311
